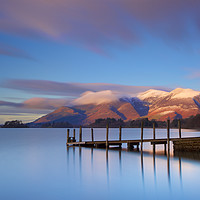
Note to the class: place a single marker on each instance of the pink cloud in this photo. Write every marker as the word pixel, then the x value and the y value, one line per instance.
pixel 97 23
pixel 73 94
pixel 45 103
pixel 44 87
pixel 38 103
pixel 72 90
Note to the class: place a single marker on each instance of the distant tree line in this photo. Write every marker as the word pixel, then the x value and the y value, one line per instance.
pixel 113 123
pixel 99 123
pixel 14 124
pixel 192 122
pixel 56 125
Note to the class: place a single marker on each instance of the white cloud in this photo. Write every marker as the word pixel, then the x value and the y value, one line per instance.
pixel 89 97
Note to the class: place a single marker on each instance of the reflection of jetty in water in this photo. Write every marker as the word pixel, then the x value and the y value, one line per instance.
pixel 142 154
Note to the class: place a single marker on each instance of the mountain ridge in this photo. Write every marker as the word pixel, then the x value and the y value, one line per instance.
pixel 154 104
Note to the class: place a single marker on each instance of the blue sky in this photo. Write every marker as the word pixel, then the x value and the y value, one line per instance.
pixel 132 43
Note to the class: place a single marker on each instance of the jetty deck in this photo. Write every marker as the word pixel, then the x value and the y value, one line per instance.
pixel 179 144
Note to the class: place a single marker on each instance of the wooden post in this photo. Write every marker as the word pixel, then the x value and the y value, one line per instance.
pixel 67 135
pixel 142 126
pixel 120 136
pixel 168 134
pixel 179 127
pixel 80 134
pixel 74 134
pixel 120 133
pixel 107 132
pixel 129 146
pixel 92 134
pixel 154 130
pixel 154 136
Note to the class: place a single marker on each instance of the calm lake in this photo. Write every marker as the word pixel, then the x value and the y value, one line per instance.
pixel 35 164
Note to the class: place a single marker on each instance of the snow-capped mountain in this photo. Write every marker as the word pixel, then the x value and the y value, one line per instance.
pixel 154 104
pixel 179 103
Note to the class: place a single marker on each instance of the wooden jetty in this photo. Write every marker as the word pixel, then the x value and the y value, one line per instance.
pixel 179 144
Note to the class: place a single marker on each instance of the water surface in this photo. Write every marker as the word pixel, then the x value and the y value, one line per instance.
pixel 35 164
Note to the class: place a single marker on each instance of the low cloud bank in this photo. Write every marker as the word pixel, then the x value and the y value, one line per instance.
pixel 70 94
pixel 89 97
pixel 73 90
pixel 37 103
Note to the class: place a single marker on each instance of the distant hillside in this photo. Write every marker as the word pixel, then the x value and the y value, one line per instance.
pixel 152 104
pixel 87 114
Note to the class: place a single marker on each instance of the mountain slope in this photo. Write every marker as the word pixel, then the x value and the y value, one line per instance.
pixel 70 115
pixel 86 114
pixel 179 103
pixel 154 104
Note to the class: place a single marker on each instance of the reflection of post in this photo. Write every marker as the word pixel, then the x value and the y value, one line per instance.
pixel 165 149
pixel 74 155
pixel 154 166
pixel 107 166
pixel 67 157
pixel 142 166
pixel 120 160
pixel 142 124
pixel 180 170
pixel 168 169
pixel 92 157
pixel 168 135
pixel 154 163
pixel 80 160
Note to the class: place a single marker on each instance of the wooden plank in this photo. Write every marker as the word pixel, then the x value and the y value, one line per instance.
pixel 161 140
pixel 134 143
pixel 158 142
pixel 186 138
pixel 75 143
